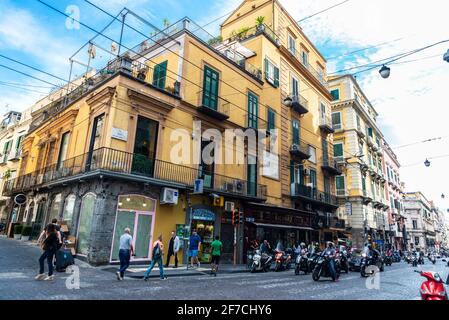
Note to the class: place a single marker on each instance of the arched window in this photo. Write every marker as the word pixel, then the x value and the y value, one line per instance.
pixel 85 223
pixel 54 209
pixel 69 206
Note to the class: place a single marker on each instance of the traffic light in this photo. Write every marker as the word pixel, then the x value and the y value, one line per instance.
pixel 241 218
pixel 235 217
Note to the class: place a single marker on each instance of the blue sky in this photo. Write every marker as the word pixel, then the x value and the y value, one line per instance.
pixel 412 104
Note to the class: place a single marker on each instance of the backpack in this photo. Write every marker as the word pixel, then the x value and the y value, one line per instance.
pixel 157 252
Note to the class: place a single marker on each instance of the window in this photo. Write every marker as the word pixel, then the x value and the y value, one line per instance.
pixel 63 150
pixel 85 223
pixel 295 131
pixel 54 209
pixel 297 173
pixel 292 44
pixel 313 179
pixel 160 74
pixel 370 132
pixel 252 175
pixel 338 151
pixel 210 88
pixel 253 110
pixel 69 206
pixel 336 121
pixel 325 147
pixel 416 241
pixel 6 150
pixel 312 153
pixel 271 117
pixel 335 94
pixel 295 86
pixel 323 112
pixel 305 58
pixel 271 73
pixel 340 185
pixel 364 184
pixel 19 142
pixel 145 146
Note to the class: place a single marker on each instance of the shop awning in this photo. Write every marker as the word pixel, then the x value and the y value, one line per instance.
pixel 281 226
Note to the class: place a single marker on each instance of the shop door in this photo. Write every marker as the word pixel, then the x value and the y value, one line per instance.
pixel 37 225
pixel 141 224
pixel 85 223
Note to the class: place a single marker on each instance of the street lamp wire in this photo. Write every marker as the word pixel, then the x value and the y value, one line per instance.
pixel 324 10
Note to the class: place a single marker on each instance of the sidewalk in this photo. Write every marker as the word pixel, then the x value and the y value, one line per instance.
pixel 138 271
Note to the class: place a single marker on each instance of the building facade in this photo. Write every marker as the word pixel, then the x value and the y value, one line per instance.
pixel 419 221
pixel 358 146
pixel 123 148
pixel 394 193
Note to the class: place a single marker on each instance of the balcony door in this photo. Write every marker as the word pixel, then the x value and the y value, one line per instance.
pixel 295 132
pixel 252 175
pixel 145 146
pixel 207 168
pixel 253 111
pixel 95 142
pixel 210 88
pixel 63 150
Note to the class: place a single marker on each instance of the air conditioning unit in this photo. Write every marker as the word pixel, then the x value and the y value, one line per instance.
pixel 228 187
pixel 239 186
pixel 229 206
pixel 169 196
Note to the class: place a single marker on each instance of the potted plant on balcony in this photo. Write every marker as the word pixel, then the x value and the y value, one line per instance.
pixel 26 233
pixel 242 33
pixel 18 232
pixel 260 23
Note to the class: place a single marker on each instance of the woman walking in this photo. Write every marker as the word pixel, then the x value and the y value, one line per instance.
pixel 50 246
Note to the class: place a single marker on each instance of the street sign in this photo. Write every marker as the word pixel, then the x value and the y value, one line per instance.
pixel 20 199
pixel 198 186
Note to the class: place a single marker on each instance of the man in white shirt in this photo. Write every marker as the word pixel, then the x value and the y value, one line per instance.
pixel 125 252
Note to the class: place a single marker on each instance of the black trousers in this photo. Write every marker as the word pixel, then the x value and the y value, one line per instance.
pixel 171 253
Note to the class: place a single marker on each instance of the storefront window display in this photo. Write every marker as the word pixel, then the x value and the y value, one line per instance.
pixel 203 221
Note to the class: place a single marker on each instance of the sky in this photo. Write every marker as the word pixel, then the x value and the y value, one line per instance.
pixel 411 103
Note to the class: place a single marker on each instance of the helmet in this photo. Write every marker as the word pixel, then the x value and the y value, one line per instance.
pixel 303 244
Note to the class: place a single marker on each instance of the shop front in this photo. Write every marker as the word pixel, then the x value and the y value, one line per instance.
pixel 277 225
pixel 204 220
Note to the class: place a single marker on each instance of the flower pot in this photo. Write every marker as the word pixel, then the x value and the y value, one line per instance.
pixel 25 238
pixel 17 236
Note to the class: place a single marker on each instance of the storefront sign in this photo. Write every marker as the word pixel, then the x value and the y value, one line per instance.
pixel 119 134
pixel 20 199
pixel 203 214
pixel 198 186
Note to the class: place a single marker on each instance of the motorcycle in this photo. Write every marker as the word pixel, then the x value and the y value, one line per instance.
pixel 343 261
pixel 283 260
pixel 433 287
pixel 388 260
pixel 420 259
pixel 370 261
pixel 432 259
pixel 414 261
pixel 261 262
pixel 322 269
pixel 396 257
pixel 302 263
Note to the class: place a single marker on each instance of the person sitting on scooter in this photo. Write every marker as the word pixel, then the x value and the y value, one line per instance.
pixel 265 247
pixel 330 254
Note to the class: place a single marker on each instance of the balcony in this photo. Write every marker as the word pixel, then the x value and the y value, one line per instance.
pixel 336 223
pixel 326 125
pixel 15 155
pixel 299 150
pixel 133 167
pixel 370 141
pixel 367 197
pixel 360 132
pixel 220 111
pixel 331 166
pixel 341 193
pixel 309 193
pixel 253 122
pixel 298 103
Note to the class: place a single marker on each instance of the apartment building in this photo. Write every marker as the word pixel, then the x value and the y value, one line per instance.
pixel 358 147
pixel 394 193
pixel 119 150
pixel 419 221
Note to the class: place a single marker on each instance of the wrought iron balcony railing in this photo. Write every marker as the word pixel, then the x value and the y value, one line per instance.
pixel 309 192
pixel 120 162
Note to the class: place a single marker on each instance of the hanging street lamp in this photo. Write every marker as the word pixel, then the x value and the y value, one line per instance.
pixel 446 56
pixel 427 163
pixel 385 72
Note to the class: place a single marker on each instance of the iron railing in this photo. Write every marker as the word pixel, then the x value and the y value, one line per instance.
pixel 121 162
pixel 300 190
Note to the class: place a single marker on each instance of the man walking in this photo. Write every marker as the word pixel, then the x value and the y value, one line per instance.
pixel 194 246
pixel 156 257
pixel 125 252
pixel 216 247
pixel 173 248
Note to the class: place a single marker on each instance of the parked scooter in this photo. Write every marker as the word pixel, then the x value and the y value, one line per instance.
pixel 433 287
pixel 282 260
pixel 261 262
pixel 302 263
pixel 388 260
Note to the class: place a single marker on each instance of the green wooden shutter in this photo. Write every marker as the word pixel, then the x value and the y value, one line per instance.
pixel 266 69
pixel 276 77
pixel 295 131
pixel 210 88
pixel 253 110
pixel 271 120
pixel 160 74
pixel 338 150
pixel 340 182
pixel 292 171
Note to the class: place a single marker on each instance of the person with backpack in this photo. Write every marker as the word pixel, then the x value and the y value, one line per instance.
pixel 49 246
pixel 156 257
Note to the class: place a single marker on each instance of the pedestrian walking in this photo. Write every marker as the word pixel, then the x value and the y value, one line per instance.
pixel 216 247
pixel 49 247
pixel 173 248
pixel 125 252
pixel 156 257
pixel 194 246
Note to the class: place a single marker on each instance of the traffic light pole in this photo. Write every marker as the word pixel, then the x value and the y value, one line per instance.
pixel 235 245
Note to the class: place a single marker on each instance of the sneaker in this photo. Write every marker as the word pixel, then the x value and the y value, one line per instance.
pixel 145 279
pixel 198 265
pixel 119 277
pixel 164 278
pixel 40 276
pixel 49 278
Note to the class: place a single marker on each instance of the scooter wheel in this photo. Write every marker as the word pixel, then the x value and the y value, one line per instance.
pixel 297 271
pixel 316 275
